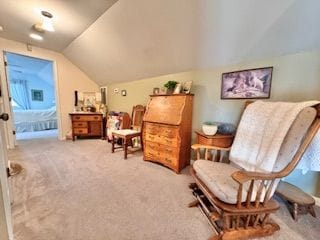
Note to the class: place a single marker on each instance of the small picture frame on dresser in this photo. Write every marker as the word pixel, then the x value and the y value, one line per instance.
pixel 186 87
pixel 163 90
pixel 156 91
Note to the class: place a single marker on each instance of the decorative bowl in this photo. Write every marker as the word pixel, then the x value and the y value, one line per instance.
pixel 209 129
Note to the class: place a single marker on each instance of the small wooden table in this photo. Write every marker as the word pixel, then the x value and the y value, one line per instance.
pixel 220 141
pixel 302 203
pixel 217 140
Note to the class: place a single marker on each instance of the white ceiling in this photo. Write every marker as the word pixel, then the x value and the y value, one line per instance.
pixel 144 38
pixel 24 64
pixel 70 18
pixel 24 67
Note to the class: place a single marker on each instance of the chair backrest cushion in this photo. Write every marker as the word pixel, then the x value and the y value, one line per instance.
pixel 261 132
pixel 294 138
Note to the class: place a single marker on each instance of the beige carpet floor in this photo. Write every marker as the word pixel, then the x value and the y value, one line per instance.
pixel 81 191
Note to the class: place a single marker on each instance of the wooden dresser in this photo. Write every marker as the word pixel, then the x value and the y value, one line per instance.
pixel 167 130
pixel 86 124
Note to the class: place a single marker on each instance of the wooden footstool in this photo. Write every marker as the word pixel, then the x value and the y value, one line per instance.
pixel 302 203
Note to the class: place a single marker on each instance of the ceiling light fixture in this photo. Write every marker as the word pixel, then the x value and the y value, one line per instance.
pixel 35 36
pixel 46 24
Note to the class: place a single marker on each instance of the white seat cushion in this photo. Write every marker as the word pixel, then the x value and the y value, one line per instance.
pixel 217 177
pixel 126 132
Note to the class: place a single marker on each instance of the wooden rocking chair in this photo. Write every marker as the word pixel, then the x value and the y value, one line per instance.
pixel 238 202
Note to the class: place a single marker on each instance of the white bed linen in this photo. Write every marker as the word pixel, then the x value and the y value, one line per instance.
pixel 35 120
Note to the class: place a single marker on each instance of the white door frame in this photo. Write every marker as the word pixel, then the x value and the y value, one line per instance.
pixel 11 142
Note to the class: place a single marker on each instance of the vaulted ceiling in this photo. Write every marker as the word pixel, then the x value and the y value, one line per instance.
pixel 145 38
pixel 70 19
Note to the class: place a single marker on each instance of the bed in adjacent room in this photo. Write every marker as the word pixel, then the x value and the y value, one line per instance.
pixel 35 120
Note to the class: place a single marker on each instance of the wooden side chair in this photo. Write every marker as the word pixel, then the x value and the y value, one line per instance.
pixel 236 199
pixel 127 135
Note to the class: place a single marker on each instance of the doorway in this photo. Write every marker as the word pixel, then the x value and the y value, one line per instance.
pixel 31 87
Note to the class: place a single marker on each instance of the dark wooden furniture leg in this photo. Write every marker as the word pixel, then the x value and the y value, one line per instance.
pixel 112 142
pixel 141 142
pixel 125 147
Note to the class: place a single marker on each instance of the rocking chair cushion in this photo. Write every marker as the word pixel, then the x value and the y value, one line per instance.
pixel 217 177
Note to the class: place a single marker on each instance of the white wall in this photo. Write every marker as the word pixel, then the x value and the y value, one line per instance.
pixel 68 78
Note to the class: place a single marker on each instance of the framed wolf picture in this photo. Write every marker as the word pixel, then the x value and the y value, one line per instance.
pixel 250 83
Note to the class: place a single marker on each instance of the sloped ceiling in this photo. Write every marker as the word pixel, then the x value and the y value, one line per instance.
pixel 20 67
pixel 70 19
pixel 144 38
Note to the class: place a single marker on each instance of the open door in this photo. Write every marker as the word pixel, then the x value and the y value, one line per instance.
pixel 6 232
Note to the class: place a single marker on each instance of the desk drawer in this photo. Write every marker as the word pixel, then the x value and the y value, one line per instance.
pixel 162 152
pixel 87 118
pixel 173 142
pixel 170 161
pixel 158 138
pixel 80 131
pixel 80 124
pixel 163 130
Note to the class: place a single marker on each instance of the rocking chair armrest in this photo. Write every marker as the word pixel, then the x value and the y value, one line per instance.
pixel 202 146
pixel 245 176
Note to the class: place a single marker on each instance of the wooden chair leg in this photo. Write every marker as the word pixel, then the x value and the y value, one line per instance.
pixel 125 148
pixel 112 144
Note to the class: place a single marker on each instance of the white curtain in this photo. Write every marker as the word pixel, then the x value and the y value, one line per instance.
pixel 19 93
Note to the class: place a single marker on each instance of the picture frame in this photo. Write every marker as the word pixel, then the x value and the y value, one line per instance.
pixel 156 91
pixel 163 90
pixel 37 95
pixel 247 84
pixel 186 87
pixel 89 98
pixel 123 93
